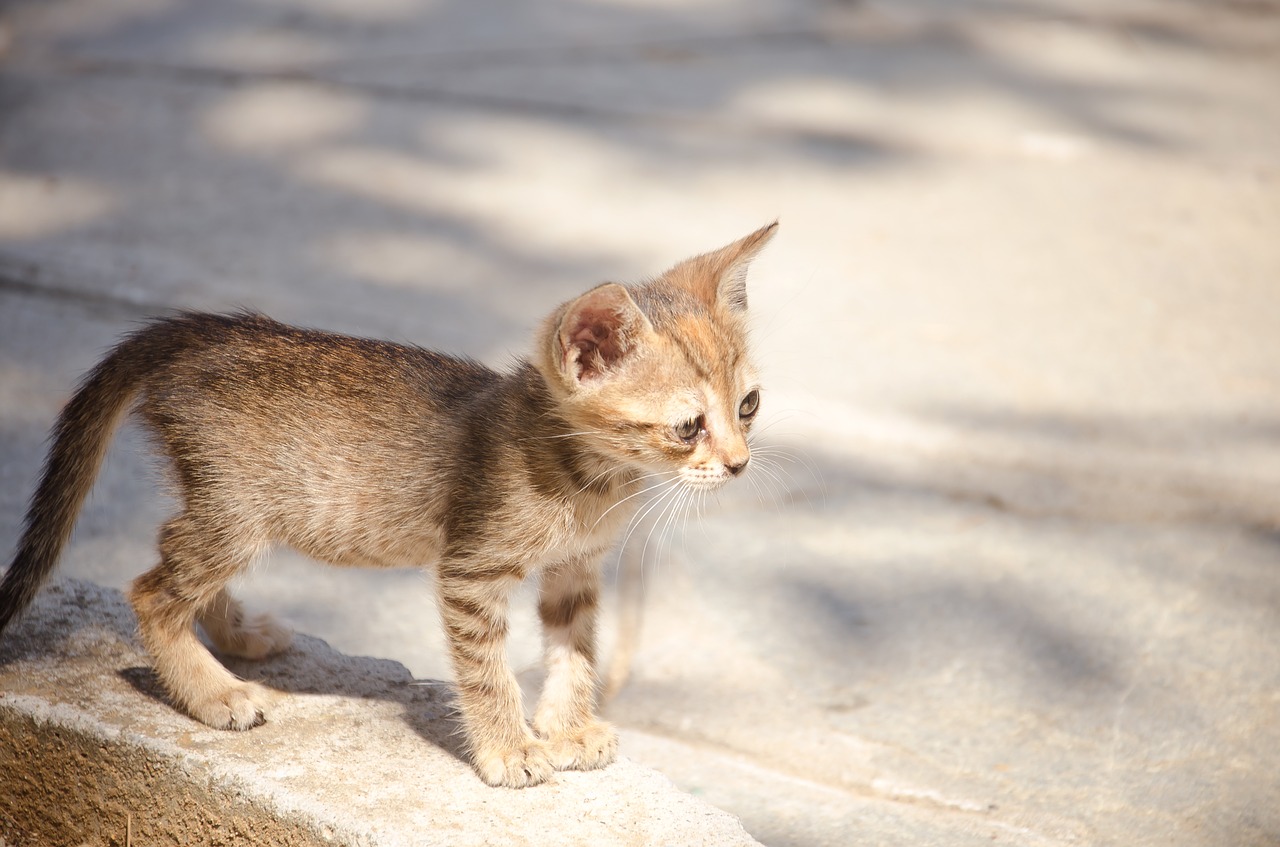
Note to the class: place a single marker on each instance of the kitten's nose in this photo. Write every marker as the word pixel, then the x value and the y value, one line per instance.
pixel 738 468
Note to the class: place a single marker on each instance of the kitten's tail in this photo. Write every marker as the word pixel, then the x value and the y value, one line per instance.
pixel 80 439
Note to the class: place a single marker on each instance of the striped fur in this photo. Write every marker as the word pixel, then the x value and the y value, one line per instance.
pixel 366 453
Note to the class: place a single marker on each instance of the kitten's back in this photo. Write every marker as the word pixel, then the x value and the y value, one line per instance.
pixel 326 442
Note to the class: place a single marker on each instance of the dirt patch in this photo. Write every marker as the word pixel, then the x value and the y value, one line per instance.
pixel 63 786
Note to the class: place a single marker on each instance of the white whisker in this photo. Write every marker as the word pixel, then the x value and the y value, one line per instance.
pixel 667 536
pixel 767 468
pixel 604 475
pixel 635 493
pixel 638 519
pixel 665 515
pixel 796 457
pixel 562 435
pixel 779 417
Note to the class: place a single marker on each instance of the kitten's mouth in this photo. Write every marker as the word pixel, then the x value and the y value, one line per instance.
pixel 705 480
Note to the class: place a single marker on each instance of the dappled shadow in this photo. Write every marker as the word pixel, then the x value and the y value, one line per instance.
pixel 312 667
pixel 1096 503
pixel 89 617
pixel 1179 471
pixel 146 682
pixel 615 62
pixel 1066 597
pixel 864 626
pixel 445 172
pixel 1166 433
pixel 367 139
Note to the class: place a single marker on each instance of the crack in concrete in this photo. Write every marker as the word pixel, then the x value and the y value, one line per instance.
pixel 23 279
pixel 655 49
pixel 864 140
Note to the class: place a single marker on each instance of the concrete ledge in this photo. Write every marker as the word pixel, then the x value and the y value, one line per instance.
pixel 357 752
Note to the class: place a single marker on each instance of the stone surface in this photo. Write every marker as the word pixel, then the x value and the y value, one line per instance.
pixel 1013 569
pixel 356 752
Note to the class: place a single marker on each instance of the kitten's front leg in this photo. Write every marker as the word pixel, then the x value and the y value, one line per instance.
pixel 566 717
pixel 473 604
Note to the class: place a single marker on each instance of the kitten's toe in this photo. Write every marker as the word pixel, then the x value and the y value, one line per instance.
pixel 238 707
pixel 587 748
pixel 518 767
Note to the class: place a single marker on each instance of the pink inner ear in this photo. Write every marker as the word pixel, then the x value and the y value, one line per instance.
pixel 596 336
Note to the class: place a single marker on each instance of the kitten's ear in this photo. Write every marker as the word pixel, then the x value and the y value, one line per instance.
pixel 597 332
pixel 720 277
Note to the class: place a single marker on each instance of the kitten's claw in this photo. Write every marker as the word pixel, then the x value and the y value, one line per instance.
pixel 521 767
pixel 239 707
pixel 587 748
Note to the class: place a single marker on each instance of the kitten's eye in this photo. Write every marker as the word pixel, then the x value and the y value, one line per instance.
pixel 750 404
pixel 689 430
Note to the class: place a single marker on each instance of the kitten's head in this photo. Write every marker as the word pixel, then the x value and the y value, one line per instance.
pixel 658 375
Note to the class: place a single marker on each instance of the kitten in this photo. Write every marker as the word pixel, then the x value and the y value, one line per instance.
pixel 373 454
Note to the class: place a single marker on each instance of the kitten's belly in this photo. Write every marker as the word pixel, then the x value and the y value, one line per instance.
pixel 345 551
pixel 362 532
pixel 352 513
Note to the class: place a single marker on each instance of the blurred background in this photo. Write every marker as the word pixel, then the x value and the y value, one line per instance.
pixel 1012 572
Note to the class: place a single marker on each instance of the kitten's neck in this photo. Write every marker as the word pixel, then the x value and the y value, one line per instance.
pixel 558 451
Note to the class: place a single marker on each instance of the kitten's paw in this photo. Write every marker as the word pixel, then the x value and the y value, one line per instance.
pixel 518 767
pixel 586 748
pixel 256 638
pixel 239 707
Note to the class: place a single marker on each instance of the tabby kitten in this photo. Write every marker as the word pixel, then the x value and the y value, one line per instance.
pixel 367 453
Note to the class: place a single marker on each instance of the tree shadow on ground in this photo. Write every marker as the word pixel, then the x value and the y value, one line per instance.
pixel 352 138
pixel 380 117
pixel 310 666
pixel 1044 561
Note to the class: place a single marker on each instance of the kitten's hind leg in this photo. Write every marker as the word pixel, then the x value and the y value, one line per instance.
pixel 234 634
pixel 194 566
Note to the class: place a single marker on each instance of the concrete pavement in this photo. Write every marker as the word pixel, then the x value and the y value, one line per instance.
pixel 356 753
pixel 1013 575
